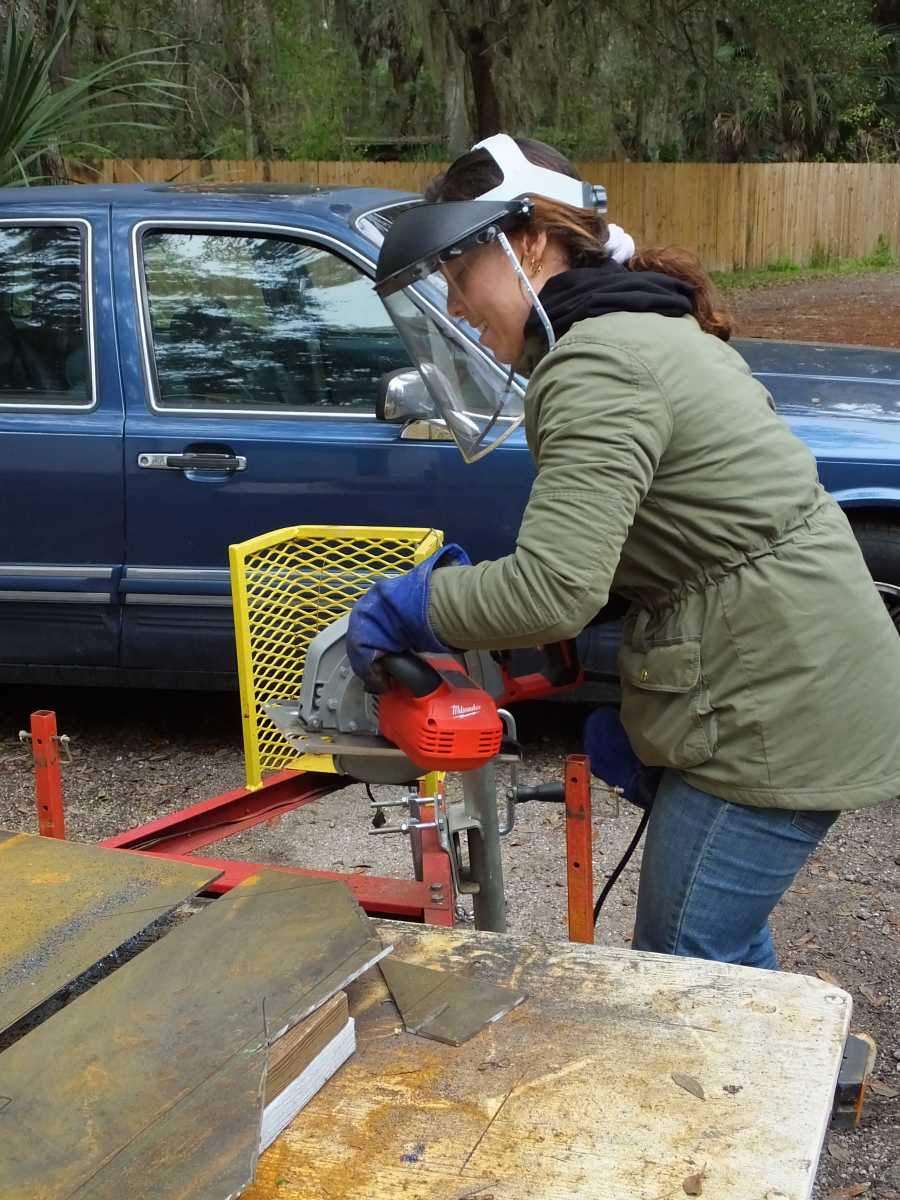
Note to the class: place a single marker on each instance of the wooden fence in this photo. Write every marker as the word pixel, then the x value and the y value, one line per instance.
pixel 732 215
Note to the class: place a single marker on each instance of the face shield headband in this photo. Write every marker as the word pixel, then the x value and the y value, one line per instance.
pixel 522 177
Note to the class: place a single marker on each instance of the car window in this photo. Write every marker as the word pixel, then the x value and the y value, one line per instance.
pixel 44 357
pixel 263 323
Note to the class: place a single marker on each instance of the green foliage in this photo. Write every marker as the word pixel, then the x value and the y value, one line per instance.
pixel 655 80
pixel 784 270
pixel 37 119
pixel 882 254
pixel 820 257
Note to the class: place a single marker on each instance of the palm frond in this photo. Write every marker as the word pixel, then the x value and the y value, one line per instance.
pixel 36 118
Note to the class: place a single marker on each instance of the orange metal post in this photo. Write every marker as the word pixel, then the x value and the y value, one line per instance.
pixel 440 908
pixel 579 859
pixel 47 777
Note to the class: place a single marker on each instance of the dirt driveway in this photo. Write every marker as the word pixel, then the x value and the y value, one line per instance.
pixel 855 309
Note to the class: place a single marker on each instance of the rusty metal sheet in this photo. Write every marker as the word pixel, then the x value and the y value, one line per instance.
pixel 65 905
pixel 443 1005
pixel 149 1084
pixel 207 1145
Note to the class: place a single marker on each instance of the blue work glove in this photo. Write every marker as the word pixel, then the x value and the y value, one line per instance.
pixel 393 616
pixel 612 759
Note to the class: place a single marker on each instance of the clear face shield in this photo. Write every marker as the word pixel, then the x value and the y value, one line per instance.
pixel 479 405
pixel 475 394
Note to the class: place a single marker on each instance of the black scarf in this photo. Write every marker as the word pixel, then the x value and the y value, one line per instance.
pixel 586 292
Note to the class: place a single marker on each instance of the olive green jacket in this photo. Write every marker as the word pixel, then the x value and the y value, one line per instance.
pixel 758 659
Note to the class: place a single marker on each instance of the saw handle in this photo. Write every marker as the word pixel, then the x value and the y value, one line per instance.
pixel 413 672
pixel 562 665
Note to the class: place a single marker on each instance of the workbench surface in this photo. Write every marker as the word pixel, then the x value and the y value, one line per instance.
pixel 572 1096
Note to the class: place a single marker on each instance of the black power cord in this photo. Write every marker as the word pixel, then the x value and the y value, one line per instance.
pixel 555 793
pixel 622 863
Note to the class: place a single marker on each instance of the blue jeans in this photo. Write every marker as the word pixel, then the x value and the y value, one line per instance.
pixel 713 871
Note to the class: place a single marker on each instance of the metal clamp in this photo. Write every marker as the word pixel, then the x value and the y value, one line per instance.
pixel 512 731
pixel 406 827
pixel 445 837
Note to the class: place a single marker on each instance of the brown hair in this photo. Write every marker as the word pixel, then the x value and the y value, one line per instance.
pixel 582 232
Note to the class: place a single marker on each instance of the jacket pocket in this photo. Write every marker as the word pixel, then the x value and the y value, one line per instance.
pixel 665 704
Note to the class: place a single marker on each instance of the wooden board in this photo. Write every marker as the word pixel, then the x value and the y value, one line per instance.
pixel 295 1050
pixel 288 1103
pixel 150 1084
pixel 64 906
pixel 571 1096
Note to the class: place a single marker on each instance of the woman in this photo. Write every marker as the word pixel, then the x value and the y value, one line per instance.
pixel 759 668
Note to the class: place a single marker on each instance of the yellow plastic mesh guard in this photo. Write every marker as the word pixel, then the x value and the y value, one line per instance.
pixel 286 586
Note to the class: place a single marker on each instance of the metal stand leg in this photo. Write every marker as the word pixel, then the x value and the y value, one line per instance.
pixel 579 857
pixel 45 744
pixel 436 874
pixel 480 791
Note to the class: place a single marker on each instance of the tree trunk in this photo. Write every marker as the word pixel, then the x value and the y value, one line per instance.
pixel 456 111
pixel 477 53
pixel 52 163
pixel 480 61
pixel 246 105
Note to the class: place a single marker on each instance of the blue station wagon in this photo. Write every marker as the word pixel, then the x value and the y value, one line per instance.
pixel 186 367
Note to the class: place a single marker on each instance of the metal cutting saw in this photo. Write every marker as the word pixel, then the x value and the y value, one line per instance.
pixel 440 713
pixel 434 716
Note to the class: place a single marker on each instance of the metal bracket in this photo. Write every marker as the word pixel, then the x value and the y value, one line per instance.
pixel 512 731
pixel 406 827
pixel 62 740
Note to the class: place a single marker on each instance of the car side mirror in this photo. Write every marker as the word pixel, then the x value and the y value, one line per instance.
pixel 403 396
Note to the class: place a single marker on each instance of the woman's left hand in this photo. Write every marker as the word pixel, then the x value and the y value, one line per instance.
pixel 393 616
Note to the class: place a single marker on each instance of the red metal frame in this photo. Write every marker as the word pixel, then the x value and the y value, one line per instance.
pixel 579 849
pixel 179 834
pixel 212 820
pixel 431 899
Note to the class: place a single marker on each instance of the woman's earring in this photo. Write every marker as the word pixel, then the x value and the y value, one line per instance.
pixel 533 268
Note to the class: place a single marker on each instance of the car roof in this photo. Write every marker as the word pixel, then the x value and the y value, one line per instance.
pixel 342 202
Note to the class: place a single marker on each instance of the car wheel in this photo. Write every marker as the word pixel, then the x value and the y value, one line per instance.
pixel 880 544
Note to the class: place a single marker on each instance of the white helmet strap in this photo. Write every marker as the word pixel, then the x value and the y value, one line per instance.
pixel 524 178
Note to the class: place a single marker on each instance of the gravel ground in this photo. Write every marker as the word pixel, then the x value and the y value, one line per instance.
pixel 855 309
pixel 139 755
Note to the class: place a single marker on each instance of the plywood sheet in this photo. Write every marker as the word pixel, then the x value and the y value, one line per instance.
pixel 571 1094
pixel 150 1084
pixel 64 906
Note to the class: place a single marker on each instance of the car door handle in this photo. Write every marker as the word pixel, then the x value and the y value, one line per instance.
pixel 192 461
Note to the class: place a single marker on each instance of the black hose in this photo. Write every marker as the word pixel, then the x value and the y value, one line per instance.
pixel 622 863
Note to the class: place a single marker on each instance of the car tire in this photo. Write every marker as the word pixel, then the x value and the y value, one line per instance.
pixel 880 545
